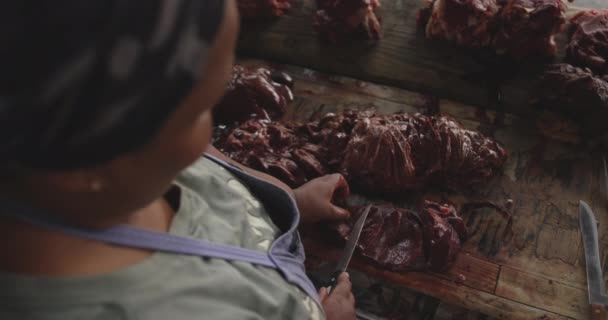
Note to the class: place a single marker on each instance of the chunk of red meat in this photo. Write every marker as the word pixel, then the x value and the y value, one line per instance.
pixel 399 239
pixel 392 237
pixel 469 23
pixel 390 154
pixel 254 91
pixel 339 20
pixel 576 94
pixel 441 239
pixel 588 45
pixel 527 27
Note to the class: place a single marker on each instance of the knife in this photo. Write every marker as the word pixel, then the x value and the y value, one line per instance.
pixel 595 281
pixel 351 244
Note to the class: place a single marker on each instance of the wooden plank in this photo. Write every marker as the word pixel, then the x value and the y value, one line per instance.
pixel 403 58
pixel 544 179
pixel 446 290
pixel 546 294
pixel 467 270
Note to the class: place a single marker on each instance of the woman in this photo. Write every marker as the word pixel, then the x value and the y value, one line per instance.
pixel 107 210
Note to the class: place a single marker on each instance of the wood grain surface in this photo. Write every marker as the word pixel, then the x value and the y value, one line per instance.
pixel 534 270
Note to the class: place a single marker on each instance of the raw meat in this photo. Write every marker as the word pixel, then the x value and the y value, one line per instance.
pixel 469 23
pixel 443 232
pixel 588 46
pixel 338 20
pixel 400 239
pixel 254 91
pixel 577 94
pixel 272 148
pixel 378 154
pixel 527 27
pixel 263 8
pixel 390 154
pixel 517 28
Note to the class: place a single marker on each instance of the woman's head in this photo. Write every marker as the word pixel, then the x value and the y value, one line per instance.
pixel 142 125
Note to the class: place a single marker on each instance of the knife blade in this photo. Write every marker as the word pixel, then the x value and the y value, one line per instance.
pixel 349 249
pixel 595 281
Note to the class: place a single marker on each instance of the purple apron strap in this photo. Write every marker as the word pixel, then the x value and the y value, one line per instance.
pixel 143 238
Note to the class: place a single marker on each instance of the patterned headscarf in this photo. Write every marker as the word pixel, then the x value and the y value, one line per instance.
pixel 82 81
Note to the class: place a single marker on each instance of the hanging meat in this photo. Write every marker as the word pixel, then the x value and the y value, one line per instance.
pixel 527 27
pixel 469 23
pixel 576 94
pixel 263 8
pixel 378 154
pixel 340 20
pixel 399 239
pixel 588 45
pixel 254 92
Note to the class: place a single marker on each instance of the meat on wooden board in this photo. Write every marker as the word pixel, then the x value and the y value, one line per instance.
pixel 527 27
pixel 340 20
pixel 588 45
pixel 378 154
pixel 254 92
pixel 399 239
pixel 515 28
pixel 575 94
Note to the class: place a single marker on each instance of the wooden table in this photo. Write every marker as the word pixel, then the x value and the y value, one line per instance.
pixel 535 272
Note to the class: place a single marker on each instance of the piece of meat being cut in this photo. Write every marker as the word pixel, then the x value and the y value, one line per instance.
pixel 254 92
pixel 263 8
pixel 577 94
pixel 527 27
pixel 400 239
pixel 469 23
pixel 340 20
pixel 588 45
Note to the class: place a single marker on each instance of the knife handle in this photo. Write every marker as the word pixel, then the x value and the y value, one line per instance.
pixel 332 281
pixel 598 312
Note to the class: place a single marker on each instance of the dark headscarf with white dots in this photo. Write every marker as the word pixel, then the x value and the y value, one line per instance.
pixel 82 81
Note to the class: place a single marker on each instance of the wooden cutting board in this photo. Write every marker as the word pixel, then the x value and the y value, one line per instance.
pixel 535 272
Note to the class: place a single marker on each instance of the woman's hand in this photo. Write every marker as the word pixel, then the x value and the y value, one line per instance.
pixel 340 303
pixel 314 199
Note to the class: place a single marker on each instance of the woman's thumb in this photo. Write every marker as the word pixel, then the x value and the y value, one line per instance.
pixel 340 213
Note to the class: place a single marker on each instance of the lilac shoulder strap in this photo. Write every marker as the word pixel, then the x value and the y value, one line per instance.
pixel 141 238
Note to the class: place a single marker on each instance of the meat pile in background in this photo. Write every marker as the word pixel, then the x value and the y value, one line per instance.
pixel 339 20
pixel 577 96
pixel 588 45
pixel 401 239
pixel 516 28
pixel 466 22
pixel 527 27
pixel 263 8
pixel 254 93
pixel 378 154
